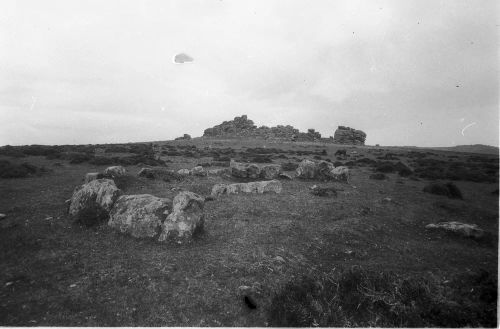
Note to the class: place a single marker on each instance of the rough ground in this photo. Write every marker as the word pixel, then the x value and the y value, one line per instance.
pixel 53 273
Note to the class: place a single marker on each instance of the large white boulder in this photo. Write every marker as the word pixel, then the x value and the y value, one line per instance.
pixel 186 218
pixel 92 202
pixel 140 215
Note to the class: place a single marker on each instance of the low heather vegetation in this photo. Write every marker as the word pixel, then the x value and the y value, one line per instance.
pixel 362 298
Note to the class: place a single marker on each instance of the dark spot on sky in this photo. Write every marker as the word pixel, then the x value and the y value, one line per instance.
pixel 182 58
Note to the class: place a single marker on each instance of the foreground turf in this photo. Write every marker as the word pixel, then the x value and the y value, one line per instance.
pixel 296 253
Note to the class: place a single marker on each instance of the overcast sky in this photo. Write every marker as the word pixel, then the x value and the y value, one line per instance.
pixel 405 72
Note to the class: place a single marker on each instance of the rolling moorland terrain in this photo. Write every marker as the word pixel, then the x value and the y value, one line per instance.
pixel 357 255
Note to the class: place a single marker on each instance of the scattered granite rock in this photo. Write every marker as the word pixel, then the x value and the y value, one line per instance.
pixel 92 202
pixel 115 171
pixel 198 171
pixel 140 215
pixel 187 218
pixel 272 186
pixel 467 230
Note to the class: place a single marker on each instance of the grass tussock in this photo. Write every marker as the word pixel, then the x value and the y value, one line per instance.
pixel 362 298
pixel 11 170
pixel 449 189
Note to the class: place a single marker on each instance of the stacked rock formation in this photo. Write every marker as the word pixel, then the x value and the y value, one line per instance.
pixel 243 127
pixel 239 127
pixel 351 136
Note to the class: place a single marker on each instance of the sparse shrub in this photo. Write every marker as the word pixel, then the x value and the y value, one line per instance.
pixel 379 176
pixel 405 172
pixel 172 153
pixel 142 149
pixel 220 163
pixel 221 158
pixel 139 159
pixel 161 173
pixel 105 161
pixel 338 163
pixel 10 170
pixel 76 158
pixel 317 157
pixel 388 156
pixel 455 192
pixel 11 151
pixel 261 159
pixel 449 189
pixel 40 150
pixel 289 166
pixel 205 164
pixel 124 182
pixel 366 162
pixel 385 167
pixel 324 191
pixel 362 298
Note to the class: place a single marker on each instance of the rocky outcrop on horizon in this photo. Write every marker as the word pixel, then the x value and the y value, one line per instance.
pixel 347 135
pixel 243 127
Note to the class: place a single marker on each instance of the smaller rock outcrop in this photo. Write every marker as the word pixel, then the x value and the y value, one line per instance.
pixel 323 170
pixel 270 171
pixel 244 170
pixel 272 186
pixel 184 172
pixel 92 202
pixel 198 171
pixel 187 218
pixel 328 191
pixel 347 135
pixel 115 171
pixel 307 169
pixel 140 215
pixel 340 173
